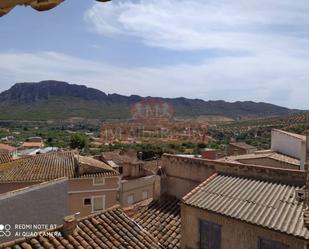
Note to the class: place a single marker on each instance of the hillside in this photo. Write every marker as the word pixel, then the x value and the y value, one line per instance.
pixel 60 100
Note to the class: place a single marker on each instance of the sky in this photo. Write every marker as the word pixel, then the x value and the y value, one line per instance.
pixel 234 50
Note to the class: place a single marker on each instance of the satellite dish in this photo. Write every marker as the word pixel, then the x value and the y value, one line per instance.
pixel 42 5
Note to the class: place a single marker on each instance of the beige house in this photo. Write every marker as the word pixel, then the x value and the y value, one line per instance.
pixel 290 144
pixel 288 151
pixel 139 180
pixel 266 158
pixel 92 185
pixel 139 189
pixel 242 213
pixel 240 148
pixel 32 143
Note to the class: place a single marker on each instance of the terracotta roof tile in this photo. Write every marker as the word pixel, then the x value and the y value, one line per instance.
pixel 45 167
pixel 32 145
pixel 111 229
pixel 120 157
pixel 5 158
pixel 5 147
pixel 162 219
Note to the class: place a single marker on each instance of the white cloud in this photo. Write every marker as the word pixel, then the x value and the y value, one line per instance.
pixel 272 33
pixel 228 78
pixel 268 40
pixel 252 25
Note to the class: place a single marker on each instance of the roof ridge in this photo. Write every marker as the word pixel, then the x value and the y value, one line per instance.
pixel 209 179
pixel 268 209
pixel 115 207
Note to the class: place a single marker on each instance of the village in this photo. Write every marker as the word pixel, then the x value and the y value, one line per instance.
pixel 154 124
pixel 232 198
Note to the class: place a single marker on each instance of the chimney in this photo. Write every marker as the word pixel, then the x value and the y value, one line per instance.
pixel 77 165
pixel 69 225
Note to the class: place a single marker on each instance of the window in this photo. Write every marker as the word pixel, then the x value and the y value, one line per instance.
pixel 270 244
pixel 98 203
pixel 98 181
pixel 120 170
pixel 210 235
pixel 145 195
pixel 130 200
pixel 87 201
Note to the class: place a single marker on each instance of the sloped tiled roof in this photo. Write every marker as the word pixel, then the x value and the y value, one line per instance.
pixel 111 229
pixel 5 158
pixel 267 154
pixel 32 145
pixel 83 160
pixel 45 167
pixel 243 145
pixel 162 219
pixel 121 157
pixel 6 147
pixel 267 204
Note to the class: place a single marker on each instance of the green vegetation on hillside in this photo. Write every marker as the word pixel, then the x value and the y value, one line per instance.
pixel 59 100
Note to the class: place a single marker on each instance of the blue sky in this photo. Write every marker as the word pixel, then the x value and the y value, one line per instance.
pixel 210 49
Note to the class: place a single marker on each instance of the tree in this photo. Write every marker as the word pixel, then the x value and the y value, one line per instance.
pixel 50 141
pixel 78 141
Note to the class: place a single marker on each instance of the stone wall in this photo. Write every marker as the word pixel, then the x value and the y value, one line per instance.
pixel 183 174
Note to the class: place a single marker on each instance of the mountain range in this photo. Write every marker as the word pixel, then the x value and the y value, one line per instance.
pixel 60 100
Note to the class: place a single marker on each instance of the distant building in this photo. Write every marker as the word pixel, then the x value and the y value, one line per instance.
pixel 290 144
pixel 288 151
pixel 35 139
pixel 212 154
pixel 137 182
pixel 33 142
pixel 238 213
pixel 8 138
pixel 36 151
pixel 7 149
pixel 134 190
pixel 92 186
pixel 240 148
pixel 265 158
